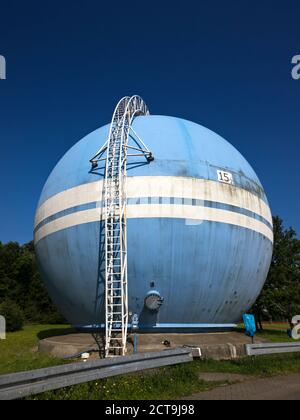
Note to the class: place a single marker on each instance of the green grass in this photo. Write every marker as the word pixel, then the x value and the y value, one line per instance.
pixel 19 353
pixel 274 333
pixel 276 336
pixel 281 326
pixel 260 366
pixel 174 382
pixel 165 383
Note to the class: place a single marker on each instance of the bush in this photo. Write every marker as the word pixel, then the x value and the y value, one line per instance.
pixel 13 315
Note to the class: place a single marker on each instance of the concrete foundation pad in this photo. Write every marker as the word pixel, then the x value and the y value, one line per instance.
pixel 67 345
pixel 218 346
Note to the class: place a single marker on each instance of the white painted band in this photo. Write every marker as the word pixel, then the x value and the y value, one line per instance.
pixel 158 186
pixel 190 213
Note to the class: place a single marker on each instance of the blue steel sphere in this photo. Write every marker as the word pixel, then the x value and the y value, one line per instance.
pixel 199 230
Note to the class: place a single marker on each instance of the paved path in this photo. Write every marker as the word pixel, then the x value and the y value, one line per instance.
pixel 276 388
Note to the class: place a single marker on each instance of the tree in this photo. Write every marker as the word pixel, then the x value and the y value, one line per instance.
pixel 280 297
pixel 20 282
pixel 13 315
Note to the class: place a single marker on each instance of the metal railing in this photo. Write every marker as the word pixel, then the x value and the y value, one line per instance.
pixel 271 348
pixel 22 384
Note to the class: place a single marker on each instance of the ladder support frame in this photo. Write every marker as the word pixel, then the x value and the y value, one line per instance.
pixel 115 198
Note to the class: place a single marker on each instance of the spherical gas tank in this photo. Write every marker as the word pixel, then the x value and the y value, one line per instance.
pixel 199 230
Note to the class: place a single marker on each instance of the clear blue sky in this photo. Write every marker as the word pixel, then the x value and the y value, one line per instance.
pixel 223 64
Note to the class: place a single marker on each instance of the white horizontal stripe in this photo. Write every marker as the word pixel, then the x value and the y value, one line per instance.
pixel 159 211
pixel 170 325
pixel 158 186
pixel 82 194
pixel 199 189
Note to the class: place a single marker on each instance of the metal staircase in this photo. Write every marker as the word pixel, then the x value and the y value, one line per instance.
pixel 115 198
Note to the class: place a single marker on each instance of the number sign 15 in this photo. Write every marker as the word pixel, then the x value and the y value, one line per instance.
pixel 225 177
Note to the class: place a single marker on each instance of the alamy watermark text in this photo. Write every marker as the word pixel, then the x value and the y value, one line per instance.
pixel 296 68
pixel 296 329
pixel 2 328
pixel 2 68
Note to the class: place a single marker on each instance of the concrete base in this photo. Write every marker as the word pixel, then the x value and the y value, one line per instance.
pixel 218 346
pixel 67 345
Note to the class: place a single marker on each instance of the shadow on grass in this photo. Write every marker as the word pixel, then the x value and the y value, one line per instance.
pixel 55 332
